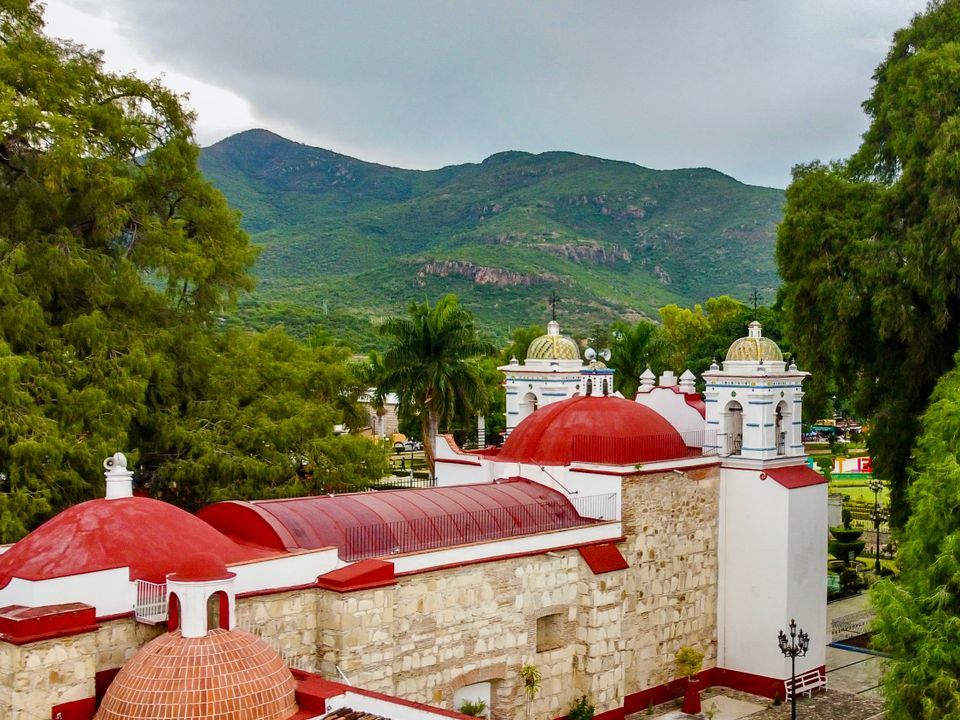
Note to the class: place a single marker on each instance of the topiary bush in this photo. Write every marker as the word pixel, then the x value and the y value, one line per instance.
pixel 846 534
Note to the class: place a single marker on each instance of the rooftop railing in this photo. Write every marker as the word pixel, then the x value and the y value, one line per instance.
pixel 430 533
pixel 643 448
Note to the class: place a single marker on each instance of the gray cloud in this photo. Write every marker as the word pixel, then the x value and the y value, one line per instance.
pixel 750 87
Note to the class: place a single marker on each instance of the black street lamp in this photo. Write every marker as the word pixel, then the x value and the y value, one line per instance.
pixel 796 646
pixel 878 514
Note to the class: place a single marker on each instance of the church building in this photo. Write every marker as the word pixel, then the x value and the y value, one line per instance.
pixel 606 534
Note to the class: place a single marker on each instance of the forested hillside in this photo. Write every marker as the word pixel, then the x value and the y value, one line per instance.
pixel 346 243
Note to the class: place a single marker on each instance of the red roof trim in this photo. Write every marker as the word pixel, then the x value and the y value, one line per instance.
pixel 603 558
pixel 795 476
pixel 20 625
pixel 456 461
pixel 507 556
pixel 361 575
pixel 313 691
pixel 75 709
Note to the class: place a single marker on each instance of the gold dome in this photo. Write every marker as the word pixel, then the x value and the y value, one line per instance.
pixel 754 347
pixel 553 345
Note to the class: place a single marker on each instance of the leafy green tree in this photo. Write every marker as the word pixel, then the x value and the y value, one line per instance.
pixel 433 365
pixel 116 262
pixel 918 617
pixel 869 248
pixel 519 343
pixel 634 349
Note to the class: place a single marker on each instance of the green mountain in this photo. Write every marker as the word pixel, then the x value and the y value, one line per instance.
pixel 346 242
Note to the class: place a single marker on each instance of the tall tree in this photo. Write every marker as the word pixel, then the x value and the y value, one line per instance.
pixel 918 617
pixel 869 248
pixel 432 364
pixel 634 349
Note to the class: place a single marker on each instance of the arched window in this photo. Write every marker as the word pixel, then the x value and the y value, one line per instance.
pixel 733 426
pixel 606 389
pixel 218 611
pixel 173 612
pixel 781 428
pixel 589 388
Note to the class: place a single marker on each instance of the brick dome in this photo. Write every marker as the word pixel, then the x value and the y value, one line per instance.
pixel 604 430
pixel 227 674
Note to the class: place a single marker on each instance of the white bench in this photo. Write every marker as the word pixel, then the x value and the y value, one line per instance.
pixel 807 683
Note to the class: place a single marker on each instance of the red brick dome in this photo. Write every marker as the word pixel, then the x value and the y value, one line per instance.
pixel 227 674
pixel 605 430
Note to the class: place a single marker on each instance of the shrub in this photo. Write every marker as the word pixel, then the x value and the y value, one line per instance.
pixel 688 662
pixel 474 708
pixel 842 550
pixel 846 534
pixel 582 709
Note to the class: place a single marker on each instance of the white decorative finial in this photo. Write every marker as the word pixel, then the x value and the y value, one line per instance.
pixel 688 382
pixel 119 479
pixel 647 380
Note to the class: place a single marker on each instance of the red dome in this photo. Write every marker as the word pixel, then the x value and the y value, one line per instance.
pixel 227 674
pixel 149 536
pixel 605 430
pixel 200 567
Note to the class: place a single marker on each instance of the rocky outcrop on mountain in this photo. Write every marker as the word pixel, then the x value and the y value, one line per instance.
pixel 483 275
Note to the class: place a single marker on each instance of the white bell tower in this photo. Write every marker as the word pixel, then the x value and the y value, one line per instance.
pixel 772 534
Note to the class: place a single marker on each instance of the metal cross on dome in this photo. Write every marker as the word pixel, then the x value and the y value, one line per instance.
pixel 755 297
pixel 554 299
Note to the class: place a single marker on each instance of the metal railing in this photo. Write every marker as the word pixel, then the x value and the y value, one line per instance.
pixel 596 507
pixel 151 603
pixel 850 626
pixel 429 533
pixel 642 448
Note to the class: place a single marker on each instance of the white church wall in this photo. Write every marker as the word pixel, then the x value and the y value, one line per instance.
pixel 109 591
pixel 674 408
pixel 773 550
pixel 301 568
pixel 806 571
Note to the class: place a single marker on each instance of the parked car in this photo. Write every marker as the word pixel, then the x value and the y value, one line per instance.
pixel 408 446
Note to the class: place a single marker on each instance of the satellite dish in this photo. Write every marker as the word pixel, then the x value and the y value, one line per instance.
pixel 590 354
pixel 605 354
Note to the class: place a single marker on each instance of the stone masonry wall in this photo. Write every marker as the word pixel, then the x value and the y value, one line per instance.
pixel 610 635
pixel 287 622
pixel 671 589
pixel 37 676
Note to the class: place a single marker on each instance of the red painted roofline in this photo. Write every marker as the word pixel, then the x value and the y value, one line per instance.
pixel 361 575
pixel 509 556
pixel 795 476
pixel 603 558
pixel 456 461
pixel 313 691
pixel 21 625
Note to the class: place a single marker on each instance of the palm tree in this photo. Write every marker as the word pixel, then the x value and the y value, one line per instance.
pixel 432 365
pixel 634 349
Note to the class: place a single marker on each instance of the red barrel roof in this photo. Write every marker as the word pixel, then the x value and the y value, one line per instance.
pixel 606 430
pixel 149 536
pixel 382 523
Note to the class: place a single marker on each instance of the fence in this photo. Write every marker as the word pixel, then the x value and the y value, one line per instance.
pixel 151 603
pixel 642 448
pixel 429 533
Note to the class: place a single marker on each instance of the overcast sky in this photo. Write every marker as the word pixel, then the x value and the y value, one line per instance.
pixel 749 87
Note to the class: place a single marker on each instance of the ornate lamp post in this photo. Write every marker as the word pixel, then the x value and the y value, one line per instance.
pixel 795 647
pixel 878 514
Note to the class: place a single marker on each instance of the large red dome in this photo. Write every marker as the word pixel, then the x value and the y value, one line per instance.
pixel 149 536
pixel 605 430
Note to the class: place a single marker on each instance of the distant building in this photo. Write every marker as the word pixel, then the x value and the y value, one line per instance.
pixel 603 536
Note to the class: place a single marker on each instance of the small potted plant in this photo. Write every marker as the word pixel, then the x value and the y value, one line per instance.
pixel 689 662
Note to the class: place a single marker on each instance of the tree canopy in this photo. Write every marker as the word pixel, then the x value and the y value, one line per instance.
pixel 869 248
pixel 433 364
pixel 116 261
pixel 918 618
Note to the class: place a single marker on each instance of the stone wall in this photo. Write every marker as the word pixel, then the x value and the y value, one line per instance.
pixel 287 622
pixel 39 675
pixel 671 589
pixel 610 635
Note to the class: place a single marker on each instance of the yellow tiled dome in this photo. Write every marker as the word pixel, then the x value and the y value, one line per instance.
pixel 754 347
pixel 553 345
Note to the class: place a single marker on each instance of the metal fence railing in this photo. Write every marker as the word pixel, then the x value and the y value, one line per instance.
pixel 429 533
pixel 151 602
pixel 643 448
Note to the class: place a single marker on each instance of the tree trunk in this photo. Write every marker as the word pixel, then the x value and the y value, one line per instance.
pixel 430 427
